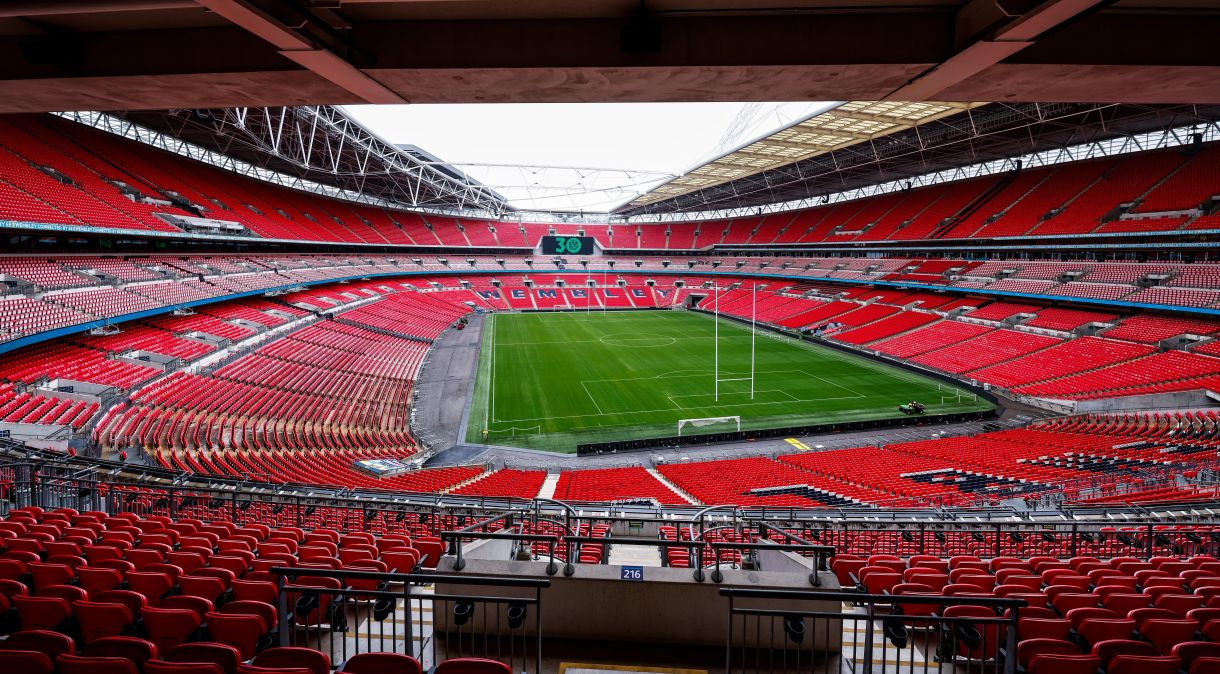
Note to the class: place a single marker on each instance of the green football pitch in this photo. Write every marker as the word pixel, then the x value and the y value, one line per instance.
pixel 554 380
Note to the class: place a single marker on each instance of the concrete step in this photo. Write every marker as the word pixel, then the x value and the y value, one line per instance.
pixel 673 487
pixel 548 486
pixel 634 555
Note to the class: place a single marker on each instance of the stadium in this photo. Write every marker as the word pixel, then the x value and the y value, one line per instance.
pixel 475 337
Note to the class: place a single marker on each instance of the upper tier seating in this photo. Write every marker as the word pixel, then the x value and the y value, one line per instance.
pixel 763 482
pixel 1157 373
pixel 1077 355
pixel 58 172
pixel 506 482
pixel 614 484
pixel 929 338
pixel 988 349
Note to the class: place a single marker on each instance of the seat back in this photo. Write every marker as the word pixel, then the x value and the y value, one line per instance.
pixel 99 620
pixel 1144 664
pixel 241 631
pixel 132 648
pixel 169 627
pixel 165 667
pixel 472 666
pixel 41 613
pixel 381 663
pixel 26 662
pixel 221 655
pixel 73 664
pixel 294 657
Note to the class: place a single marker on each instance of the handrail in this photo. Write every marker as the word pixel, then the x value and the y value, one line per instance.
pixel 812 595
pixel 506 581
pixel 460 563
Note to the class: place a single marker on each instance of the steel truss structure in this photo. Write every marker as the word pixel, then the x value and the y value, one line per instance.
pixel 972 138
pixel 322 144
pixel 320 149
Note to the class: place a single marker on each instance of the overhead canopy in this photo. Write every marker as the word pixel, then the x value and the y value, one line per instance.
pixel 850 123
pixel 150 54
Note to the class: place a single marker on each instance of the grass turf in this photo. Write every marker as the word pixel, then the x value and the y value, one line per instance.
pixel 554 380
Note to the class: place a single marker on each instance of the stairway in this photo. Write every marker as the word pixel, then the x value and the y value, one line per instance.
pixel 634 555
pixel 672 487
pixel 548 486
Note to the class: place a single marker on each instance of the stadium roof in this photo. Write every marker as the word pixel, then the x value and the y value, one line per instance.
pixel 855 146
pixel 579 157
pixel 842 126
pixel 972 136
pixel 156 54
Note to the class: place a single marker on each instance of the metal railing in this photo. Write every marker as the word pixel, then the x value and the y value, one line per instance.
pixel 783 631
pixel 345 612
pixel 82 485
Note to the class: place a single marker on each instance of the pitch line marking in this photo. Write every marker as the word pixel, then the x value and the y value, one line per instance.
pixel 629 412
pixel 599 407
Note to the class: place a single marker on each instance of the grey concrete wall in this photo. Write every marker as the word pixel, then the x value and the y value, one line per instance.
pixel 1156 401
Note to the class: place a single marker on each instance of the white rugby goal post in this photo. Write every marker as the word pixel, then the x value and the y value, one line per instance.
pixel 708 421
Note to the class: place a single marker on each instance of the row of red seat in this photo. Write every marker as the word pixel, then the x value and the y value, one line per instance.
pixel 1029 205
pixel 180 596
pixel 1124 614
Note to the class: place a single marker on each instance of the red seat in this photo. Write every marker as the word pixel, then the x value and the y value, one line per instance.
pixel 255 669
pixel 1077 616
pixel 26 662
pixel 201 586
pixel 72 664
pixel 288 657
pixel 1098 630
pixel 1042 628
pixel 318 614
pixel 1205 666
pixel 472 666
pixel 50 574
pixel 130 648
pixel 1142 664
pixel 1191 651
pixel 255 590
pixel 1028 649
pixel 1165 634
pixel 98 620
pixel 381 663
pixel 1180 604
pixel 164 667
pixel 169 627
pixel 41 613
pixel 93 580
pixel 988 646
pixel 153 586
pixel 199 605
pixel 51 644
pixel 1064 664
pixel 1108 650
pixel 1123 603
pixel 225 657
pixel 405 560
pixel 241 631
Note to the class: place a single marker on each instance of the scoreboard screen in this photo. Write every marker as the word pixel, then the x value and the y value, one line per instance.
pixel 567 245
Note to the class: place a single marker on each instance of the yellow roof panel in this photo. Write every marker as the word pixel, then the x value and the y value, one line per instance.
pixel 850 123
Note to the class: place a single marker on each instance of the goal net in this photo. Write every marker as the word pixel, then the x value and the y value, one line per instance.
pixel 724 423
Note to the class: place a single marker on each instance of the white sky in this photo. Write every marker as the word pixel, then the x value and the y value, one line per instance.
pixel 636 145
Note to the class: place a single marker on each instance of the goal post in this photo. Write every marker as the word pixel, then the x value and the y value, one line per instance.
pixel 708 421
pixel 952 394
